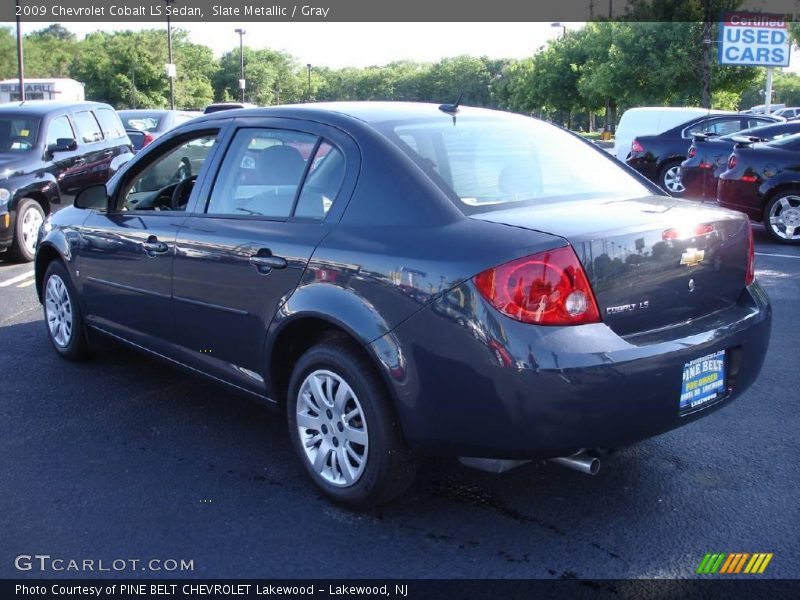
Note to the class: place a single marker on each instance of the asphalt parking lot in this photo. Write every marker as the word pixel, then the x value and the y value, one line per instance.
pixel 123 457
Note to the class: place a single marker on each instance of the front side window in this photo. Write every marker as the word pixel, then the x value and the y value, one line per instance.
pixel 59 129
pixel 166 184
pixel 88 127
pixel 261 173
pixel 490 164
pixel 18 134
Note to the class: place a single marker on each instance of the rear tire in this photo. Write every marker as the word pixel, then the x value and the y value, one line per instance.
pixel 782 217
pixel 30 217
pixel 344 429
pixel 669 178
pixel 62 315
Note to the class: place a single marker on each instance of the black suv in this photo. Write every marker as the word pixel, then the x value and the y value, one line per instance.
pixel 49 150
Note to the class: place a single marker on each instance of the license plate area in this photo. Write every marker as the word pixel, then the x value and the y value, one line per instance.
pixel 703 382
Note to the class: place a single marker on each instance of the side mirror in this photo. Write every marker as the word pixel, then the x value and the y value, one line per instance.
pixel 63 145
pixel 92 197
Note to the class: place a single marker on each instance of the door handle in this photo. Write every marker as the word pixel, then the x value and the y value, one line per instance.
pixel 153 246
pixel 264 261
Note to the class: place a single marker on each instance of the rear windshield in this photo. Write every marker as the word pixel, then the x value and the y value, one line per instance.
pixel 492 164
pixel 18 134
pixel 143 121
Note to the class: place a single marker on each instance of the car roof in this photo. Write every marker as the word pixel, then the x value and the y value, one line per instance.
pixel 41 108
pixel 368 112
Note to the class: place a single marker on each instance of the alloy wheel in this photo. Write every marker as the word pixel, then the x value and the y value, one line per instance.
pixel 59 311
pixel 784 218
pixel 332 428
pixel 672 180
pixel 31 222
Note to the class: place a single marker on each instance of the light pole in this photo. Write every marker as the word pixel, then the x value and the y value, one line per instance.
pixel 20 59
pixel 171 71
pixel 241 33
pixel 308 96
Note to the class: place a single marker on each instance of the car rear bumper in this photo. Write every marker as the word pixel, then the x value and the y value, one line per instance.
pixel 471 382
pixel 644 165
pixel 742 196
pixel 698 183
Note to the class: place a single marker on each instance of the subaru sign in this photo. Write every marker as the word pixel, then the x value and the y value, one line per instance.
pixel 754 40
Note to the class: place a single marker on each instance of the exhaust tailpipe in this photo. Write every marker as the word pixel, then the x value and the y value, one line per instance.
pixel 579 462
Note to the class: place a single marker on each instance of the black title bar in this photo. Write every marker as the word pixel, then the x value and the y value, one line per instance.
pixel 348 10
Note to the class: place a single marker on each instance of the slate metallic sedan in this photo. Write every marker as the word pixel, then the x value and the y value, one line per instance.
pixel 410 279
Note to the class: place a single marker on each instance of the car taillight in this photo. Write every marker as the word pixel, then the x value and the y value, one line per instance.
pixel 549 288
pixel 692 152
pixel 636 146
pixel 148 137
pixel 732 161
pixel 750 276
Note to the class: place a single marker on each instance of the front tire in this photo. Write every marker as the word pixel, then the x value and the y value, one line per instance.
pixel 782 217
pixel 670 178
pixel 62 315
pixel 344 429
pixel 30 217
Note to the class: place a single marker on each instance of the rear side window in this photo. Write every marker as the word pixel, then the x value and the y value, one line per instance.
pixel 110 123
pixel 325 177
pixel 490 164
pixel 88 127
pixel 261 173
pixel 59 128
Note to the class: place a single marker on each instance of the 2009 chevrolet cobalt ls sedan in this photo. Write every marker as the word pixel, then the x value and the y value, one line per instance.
pixel 409 279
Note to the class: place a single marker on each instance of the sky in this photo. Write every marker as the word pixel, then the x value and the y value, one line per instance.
pixel 377 43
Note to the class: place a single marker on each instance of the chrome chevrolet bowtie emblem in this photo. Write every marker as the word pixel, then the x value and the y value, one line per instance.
pixel 692 257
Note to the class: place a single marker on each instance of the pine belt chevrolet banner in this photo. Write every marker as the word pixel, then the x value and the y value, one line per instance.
pixel 754 40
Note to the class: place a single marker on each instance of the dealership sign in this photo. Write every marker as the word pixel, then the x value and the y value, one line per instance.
pixel 754 40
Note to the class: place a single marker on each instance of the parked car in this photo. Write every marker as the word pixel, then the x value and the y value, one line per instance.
pixel 145 125
pixel 708 156
pixel 446 280
pixel 763 181
pixel 49 150
pixel 789 112
pixel 649 120
pixel 762 109
pixel 212 108
pixel 659 157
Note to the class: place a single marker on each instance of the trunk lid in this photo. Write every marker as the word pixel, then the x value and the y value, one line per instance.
pixel 652 262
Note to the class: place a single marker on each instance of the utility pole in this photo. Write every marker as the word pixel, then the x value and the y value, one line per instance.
pixel 705 60
pixel 308 98
pixel 171 71
pixel 242 82
pixel 20 59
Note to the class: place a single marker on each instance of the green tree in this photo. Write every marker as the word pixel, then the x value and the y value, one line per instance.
pixel 8 53
pixel 50 52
